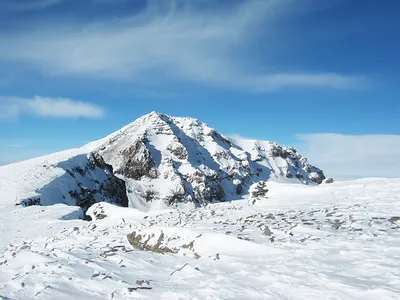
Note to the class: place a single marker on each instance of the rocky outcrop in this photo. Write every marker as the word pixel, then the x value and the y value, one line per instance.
pixel 260 190
pixel 97 183
pixel 137 161
pixel 88 179
pixel 177 149
pixel 97 212
pixel 144 243
pixel 297 165
pixel 164 240
pixel 206 187
pixel 30 201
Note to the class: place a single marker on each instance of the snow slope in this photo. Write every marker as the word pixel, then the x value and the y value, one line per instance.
pixel 338 241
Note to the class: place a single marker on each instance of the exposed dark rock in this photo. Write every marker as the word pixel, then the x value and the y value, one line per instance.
pixel 289 175
pixel 70 173
pixel 150 195
pixel 137 162
pixel 276 151
pixel 79 170
pixel 260 190
pixel 329 180
pixel 319 178
pixel 138 242
pixel 222 155
pixel 31 201
pixel 176 195
pixel 177 149
pixel 308 169
pixel 87 218
pixel 96 160
pixel 98 213
pixel 114 190
pixel 84 198
pixel 206 188
pixel 139 288
pixel 239 188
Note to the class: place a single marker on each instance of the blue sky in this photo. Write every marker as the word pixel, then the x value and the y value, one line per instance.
pixel 306 73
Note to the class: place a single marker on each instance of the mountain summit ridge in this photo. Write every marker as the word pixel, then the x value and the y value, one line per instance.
pixel 164 161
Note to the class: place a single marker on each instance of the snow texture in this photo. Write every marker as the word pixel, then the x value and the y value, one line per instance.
pixel 336 241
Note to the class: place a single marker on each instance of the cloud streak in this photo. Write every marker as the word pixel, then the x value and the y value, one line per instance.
pixel 31 5
pixel 13 107
pixel 353 156
pixel 185 44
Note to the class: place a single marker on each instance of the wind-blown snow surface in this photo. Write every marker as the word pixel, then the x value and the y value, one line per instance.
pixel 338 241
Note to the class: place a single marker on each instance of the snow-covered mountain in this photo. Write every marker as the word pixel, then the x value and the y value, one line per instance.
pixel 336 241
pixel 155 162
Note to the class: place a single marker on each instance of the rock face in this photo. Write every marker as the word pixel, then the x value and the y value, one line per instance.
pixel 167 160
pixel 138 165
pixel 87 180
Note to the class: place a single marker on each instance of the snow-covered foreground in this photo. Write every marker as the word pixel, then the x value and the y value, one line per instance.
pixel 339 241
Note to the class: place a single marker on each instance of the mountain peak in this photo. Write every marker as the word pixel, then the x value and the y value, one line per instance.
pixel 148 118
pixel 170 160
pixel 153 114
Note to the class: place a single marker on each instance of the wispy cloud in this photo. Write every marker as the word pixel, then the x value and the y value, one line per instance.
pixel 14 145
pixel 353 156
pixel 13 107
pixel 184 44
pixel 109 1
pixel 317 80
pixel 30 5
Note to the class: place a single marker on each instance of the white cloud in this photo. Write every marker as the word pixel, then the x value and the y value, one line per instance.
pixel 184 44
pixel 353 156
pixel 13 107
